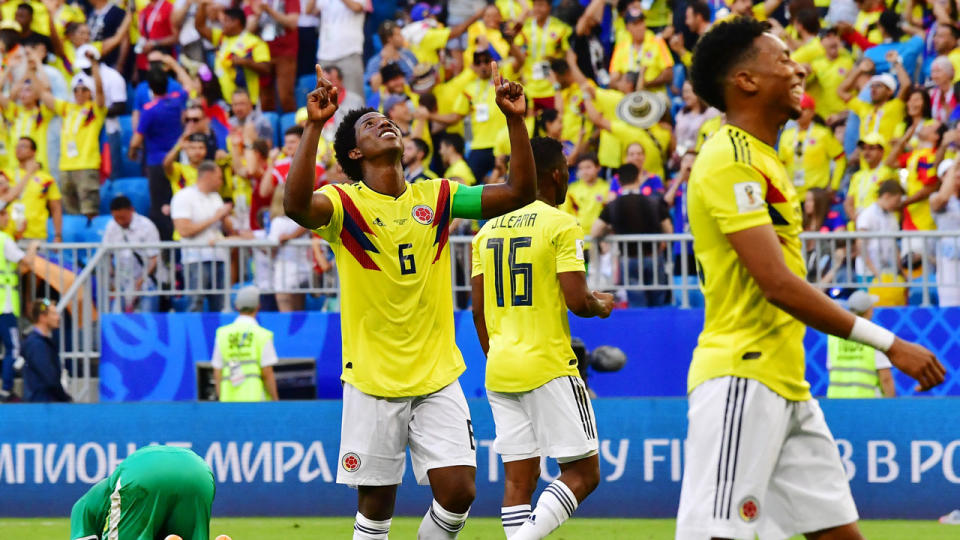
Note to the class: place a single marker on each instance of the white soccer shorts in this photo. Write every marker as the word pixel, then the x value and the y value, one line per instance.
pixel 758 464
pixel 375 433
pixel 554 420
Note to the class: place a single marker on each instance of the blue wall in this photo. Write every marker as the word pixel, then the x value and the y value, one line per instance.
pixel 281 458
pixel 151 357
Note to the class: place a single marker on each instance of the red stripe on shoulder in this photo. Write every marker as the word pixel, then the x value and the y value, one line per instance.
pixel 350 208
pixel 774 195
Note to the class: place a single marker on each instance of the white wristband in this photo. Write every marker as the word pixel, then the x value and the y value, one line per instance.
pixel 872 334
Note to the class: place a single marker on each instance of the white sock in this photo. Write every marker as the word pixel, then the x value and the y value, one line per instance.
pixel 440 523
pixel 368 529
pixel 555 505
pixel 513 517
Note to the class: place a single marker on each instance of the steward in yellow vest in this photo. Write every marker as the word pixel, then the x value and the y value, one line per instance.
pixel 857 370
pixel 243 354
pixel 13 262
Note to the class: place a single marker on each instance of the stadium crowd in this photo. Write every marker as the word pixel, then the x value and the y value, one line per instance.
pixel 203 98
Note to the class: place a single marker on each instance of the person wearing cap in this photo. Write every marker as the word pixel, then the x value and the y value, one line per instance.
pixel 114 98
pixel 394 51
pixel 13 262
pixel 809 151
pixel 858 370
pixel 605 113
pixel 827 72
pixel 873 172
pixel 886 108
pixel 645 53
pixel 541 38
pixel 80 141
pixel 243 354
pixel 945 205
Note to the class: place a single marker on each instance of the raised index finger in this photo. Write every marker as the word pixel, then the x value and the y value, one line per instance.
pixel 322 81
pixel 497 81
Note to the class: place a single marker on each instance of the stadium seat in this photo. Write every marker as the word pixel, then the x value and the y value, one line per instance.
pixel 127 167
pixel 94 232
pixel 915 293
pixel 136 189
pixel 274 119
pixel 74 228
pixel 305 84
pixel 287 121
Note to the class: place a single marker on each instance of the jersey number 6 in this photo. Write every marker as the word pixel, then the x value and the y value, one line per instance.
pixel 524 296
pixel 407 264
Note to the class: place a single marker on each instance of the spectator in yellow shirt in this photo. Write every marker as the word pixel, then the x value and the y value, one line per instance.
pixel 827 73
pixel 808 150
pixel 887 107
pixel 38 192
pixel 181 175
pixel 543 37
pixel 587 196
pixel 864 183
pixel 242 58
pixel 80 141
pixel 646 54
pixel 451 150
pixel 28 118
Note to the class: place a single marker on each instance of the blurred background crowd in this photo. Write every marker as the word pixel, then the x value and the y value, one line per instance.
pixel 149 120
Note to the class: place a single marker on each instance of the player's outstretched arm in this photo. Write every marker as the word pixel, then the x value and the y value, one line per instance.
pixel 479 319
pixel 521 187
pixel 759 250
pixel 310 210
pixel 581 300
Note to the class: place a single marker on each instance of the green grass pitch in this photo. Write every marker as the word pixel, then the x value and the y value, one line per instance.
pixel 304 528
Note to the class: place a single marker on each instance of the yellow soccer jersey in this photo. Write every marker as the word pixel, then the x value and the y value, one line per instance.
pixel 479 100
pixel 26 123
pixel 608 150
pixel 586 201
pixel 652 55
pixel 808 160
pixel 40 189
pixel 242 45
pixel 396 308
pixel 519 255
pixel 80 141
pixel 542 44
pixel 883 119
pixel 183 175
pixel 461 170
pixel 738 183
pixel 864 184
pixel 826 79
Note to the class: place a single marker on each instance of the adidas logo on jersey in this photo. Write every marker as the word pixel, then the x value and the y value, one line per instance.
pixel 378 222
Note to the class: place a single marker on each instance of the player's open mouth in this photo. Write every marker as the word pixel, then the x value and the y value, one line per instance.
pixel 796 91
pixel 389 133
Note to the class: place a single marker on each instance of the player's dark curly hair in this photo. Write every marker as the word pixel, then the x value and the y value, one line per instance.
pixel 548 154
pixel 346 140
pixel 717 52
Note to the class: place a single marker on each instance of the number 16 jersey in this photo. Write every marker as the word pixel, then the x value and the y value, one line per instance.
pixel 396 301
pixel 520 255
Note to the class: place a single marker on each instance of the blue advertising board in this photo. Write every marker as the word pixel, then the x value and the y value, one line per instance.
pixel 902 456
pixel 152 357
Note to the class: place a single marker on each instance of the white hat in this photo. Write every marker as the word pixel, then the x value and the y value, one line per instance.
pixel 81 61
pixel 641 109
pixel 860 301
pixel 885 79
pixel 944 168
pixel 84 80
pixel 247 298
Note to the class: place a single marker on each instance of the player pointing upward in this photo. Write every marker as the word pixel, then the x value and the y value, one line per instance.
pixel 400 360
pixel 760 459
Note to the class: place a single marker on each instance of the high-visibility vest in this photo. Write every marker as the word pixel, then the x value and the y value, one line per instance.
pixel 9 279
pixel 853 371
pixel 241 346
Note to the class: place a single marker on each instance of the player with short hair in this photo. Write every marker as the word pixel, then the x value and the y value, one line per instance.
pixel 760 459
pixel 528 269
pixel 400 358
pixel 154 492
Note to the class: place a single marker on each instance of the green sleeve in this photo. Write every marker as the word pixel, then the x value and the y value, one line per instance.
pixel 466 202
pixel 89 514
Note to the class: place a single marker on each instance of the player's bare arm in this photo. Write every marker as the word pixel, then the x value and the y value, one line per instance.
pixel 521 186
pixel 479 320
pixel 310 210
pixel 581 300
pixel 759 250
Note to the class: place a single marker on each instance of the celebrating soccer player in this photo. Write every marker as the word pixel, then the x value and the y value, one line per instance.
pixel 759 456
pixel 400 360
pixel 527 271
pixel 154 492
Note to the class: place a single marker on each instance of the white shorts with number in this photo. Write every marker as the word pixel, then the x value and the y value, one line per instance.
pixel 554 420
pixel 375 433
pixel 758 464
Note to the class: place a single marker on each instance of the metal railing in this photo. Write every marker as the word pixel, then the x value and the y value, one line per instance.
pixel 647 270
